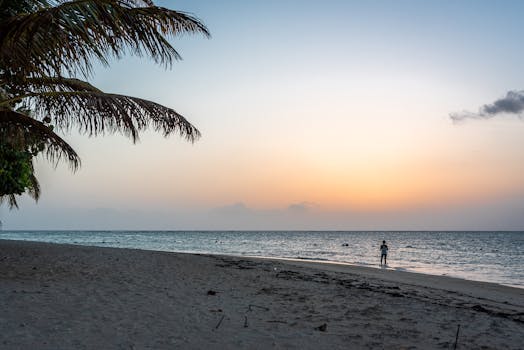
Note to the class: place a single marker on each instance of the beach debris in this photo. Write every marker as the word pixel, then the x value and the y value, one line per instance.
pixel 456 338
pixel 265 290
pixel 216 310
pixel 322 327
pixel 395 294
pixel 345 244
pixel 479 308
pixel 251 306
pixel 245 322
pixel 211 292
pixel 220 322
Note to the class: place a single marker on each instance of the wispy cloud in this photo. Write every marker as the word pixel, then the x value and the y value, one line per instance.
pixel 236 208
pixel 512 103
pixel 301 207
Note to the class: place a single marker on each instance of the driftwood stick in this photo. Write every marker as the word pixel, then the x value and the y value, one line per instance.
pixel 456 338
pixel 251 306
pixel 219 322
pixel 245 322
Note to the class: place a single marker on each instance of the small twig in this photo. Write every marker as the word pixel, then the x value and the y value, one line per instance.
pixel 260 307
pixel 219 322
pixel 245 322
pixel 456 338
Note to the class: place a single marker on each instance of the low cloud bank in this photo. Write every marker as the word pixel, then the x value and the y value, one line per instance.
pixel 497 215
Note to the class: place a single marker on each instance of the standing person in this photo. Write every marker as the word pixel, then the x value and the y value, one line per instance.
pixel 383 253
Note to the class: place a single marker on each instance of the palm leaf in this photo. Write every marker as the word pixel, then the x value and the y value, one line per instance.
pixel 20 130
pixel 34 189
pixel 46 84
pixel 95 112
pixel 69 36
pixel 9 8
pixel 10 199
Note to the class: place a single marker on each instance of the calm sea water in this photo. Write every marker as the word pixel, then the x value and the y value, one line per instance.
pixel 481 256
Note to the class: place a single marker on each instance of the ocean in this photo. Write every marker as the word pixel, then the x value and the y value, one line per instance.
pixel 481 256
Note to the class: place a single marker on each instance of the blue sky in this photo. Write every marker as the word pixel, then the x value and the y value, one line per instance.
pixel 314 115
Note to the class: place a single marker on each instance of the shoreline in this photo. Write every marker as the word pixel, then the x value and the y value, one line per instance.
pixel 425 252
pixel 83 297
pixel 291 259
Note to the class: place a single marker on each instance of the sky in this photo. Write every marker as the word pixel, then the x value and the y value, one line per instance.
pixel 315 115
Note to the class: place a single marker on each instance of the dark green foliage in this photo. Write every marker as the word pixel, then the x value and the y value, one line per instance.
pixel 16 169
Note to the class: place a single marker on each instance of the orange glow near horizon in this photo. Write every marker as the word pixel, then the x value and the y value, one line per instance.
pixel 378 186
pixel 331 175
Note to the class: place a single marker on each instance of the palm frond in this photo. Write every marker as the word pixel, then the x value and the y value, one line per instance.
pixel 11 90
pixel 10 8
pixel 133 3
pixel 96 113
pixel 69 36
pixel 73 102
pixel 18 129
pixel 10 199
pixel 34 189
pixel 46 84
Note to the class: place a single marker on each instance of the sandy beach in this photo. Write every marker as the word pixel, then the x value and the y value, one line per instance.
pixel 76 297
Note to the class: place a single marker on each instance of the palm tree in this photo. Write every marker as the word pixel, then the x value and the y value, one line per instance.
pixel 45 46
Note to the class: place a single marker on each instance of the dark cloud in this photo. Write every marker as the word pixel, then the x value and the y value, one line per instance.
pixel 513 103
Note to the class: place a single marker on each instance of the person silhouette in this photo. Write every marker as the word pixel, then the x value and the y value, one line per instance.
pixel 384 253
